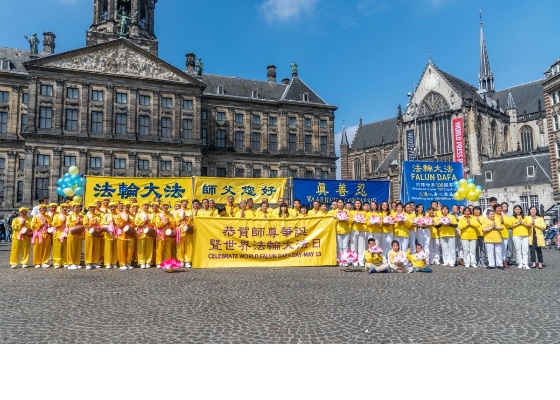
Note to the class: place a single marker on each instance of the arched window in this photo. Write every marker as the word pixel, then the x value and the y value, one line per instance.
pixel 506 139
pixel 493 144
pixel 479 127
pixel 374 164
pixel 526 139
pixel 357 169
pixel 434 126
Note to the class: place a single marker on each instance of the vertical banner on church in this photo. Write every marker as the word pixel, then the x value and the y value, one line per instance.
pixel 458 140
pixel 410 153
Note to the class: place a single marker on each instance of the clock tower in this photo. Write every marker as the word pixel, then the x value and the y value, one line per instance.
pixel 126 19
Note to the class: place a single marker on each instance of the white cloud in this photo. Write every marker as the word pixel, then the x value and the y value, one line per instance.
pixel 285 10
pixel 350 133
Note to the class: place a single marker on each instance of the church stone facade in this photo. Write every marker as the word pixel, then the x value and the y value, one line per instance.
pixel 114 108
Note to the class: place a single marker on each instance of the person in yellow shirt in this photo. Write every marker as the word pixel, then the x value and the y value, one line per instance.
pixel 185 246
pixel 431 221
pixel 469 227
pixel 437 209
pixel 264 212
pixel 41 239
pixel 21 243
pixel 109 223
pixel 146 232
pixel 163 221
pixel 60 235
pixel 418 259
pixel 410 214
pixel 367 214
pixel 343 225
pixel 243 211
pixel 492 232
pixel 373 259
pixel 74 241
pixel 358 235
pixel 125 243
pixel 315 209
pixel 231 208
pixel 446 225
pixel 303 212
pixel 295 210
pixel 375 229
pixel 92 245
pixel 386 229
pixel 401 228
pixel 504 221
pixel 536 237
pixel 283 212
pixel 520 228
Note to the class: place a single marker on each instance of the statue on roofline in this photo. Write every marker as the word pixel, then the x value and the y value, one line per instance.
pixel 33 44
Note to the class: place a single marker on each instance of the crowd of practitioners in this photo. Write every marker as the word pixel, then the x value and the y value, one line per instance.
pixel 118 234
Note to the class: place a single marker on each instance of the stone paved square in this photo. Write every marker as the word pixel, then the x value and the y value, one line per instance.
pixel 282 305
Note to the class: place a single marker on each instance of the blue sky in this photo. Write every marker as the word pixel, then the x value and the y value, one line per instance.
pixel 361 55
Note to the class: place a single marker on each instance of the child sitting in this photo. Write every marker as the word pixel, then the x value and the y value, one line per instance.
pixel 373 257
pixel 418 260
pixel 397 259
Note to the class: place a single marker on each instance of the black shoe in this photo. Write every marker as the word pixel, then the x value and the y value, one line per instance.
pixel 500 268
pixel 490 267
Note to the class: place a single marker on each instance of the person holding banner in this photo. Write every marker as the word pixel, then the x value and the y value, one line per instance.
pixel 243 211
pixel 294 211
pixel 146 232
pixel 358 235
pixel 109 226
pixel 21 241
pixel 41 239
pixel 283 212
pixel 447 224
pixel 59 237
pixel 165 225
pixel 264 212
pixel 92 224
pixel 231 208
pixel 316 210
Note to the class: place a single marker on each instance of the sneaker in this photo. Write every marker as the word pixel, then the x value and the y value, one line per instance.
pixel 520 266
pixel 24 266
pixel 182 264
pixel 65 265
pixel 475 266
pixel 13 266
pixel 72 267
pixel 38 266
pixel 158 266
pixel 79 266
pixel 467 265
pixel 188 264
pixel 143 266
pixel 108 267
pixel 88 266
pixel 56 266
pixel 124 267
pixel 97 266
pixel 46 266
pixel 130 267
pixel 148 266
pixel 526 266
pixel 372 271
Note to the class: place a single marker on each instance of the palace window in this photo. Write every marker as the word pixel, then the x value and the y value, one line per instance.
pixel 273 173
pixel 531 171
pixel 41 188
pixel 143 125
pixel 220 116
pixel 43 160
pixel 273 142
pixel 555 122
pixel 119 163
pixel 220 138
pixel 165 165
pixel 72 93
pixel 2 163
pixel 96 121
pixel 293 173
pixel 272 121
pixel 187 128
pixel 46 90
pixel 239 140
pixel 166 127
pixel 255 94
pixel 204 136
pixel 95 162
pixel 25 98
pixel 526 139
pixel 21 164
pixel 45 117
pixel 204 115
pixel 238 118
pixel 324 174
pixel 489 176
pixel 71 120
pixel 69 161
pixel 308 144
pixel 307 122
pixel 221 172
pixel 256 141
pixel 23 122
pixel 292 142
pixel 143 165
pixel 529 201
pixel 357 170
pixel 3 122
pixel 309 174
pixel 187 104
pixel 19 192
pixel 166 102
pixel 4 95
pixel 97 95
pixel 144 100
pixel 239 172
pixel 120 124
pixel 323 124
pixel 121 98
pixel 291 122
pixel 323 143
pixel 256 173
pixel 256 119
pixel 186 166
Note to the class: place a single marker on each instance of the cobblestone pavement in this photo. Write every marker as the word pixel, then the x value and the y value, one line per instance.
pixel 282 305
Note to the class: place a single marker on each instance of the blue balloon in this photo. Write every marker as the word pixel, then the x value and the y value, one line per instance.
pixel 67 175
pixel 83 181
pixel 79 191
pixel 59 191
pixel 75 180
pixel 68 182
pixel 455 185
pixel 479 187
pixel 470 180
pixel 59 182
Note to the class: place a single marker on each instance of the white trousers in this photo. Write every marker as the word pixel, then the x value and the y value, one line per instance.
pixel 411 241
pixel 458 246
pixel 504 248
pixel 434 251
pixel 448 250
pixel 494 254
pixel 521 249
pixel 469 251
pixel 342 242
pixel 385 242
pixel 403 242
pixel 358 244
pixel 423 237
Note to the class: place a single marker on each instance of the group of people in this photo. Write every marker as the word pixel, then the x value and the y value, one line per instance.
pixel 386 236
pixel 466 236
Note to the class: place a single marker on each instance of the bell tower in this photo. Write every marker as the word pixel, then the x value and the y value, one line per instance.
pixel 124 19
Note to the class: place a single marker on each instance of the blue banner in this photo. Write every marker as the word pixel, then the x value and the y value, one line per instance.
pixel 427 181
pixel 326 191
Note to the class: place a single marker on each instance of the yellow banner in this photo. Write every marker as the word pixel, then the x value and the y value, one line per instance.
pixel 116 188
pixel 230 243
pixel 240 188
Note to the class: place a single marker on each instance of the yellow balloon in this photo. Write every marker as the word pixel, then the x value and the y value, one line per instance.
pixel 456 196
pixel 73 170
pixel 463 183
pixel 462 192
pixel 472 196
pixel 78 199
pixel 471 187
pixel 68 192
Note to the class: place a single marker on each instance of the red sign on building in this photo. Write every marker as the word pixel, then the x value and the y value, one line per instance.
pixel 458 140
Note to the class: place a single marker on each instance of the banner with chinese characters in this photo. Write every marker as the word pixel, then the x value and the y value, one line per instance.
pixel 458 140
pixel 424 182
pixel 220 189
pixel 116 188
pixel 231 243
pixel 326 191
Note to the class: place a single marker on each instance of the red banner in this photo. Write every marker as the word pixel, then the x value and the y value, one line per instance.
pixel 458 140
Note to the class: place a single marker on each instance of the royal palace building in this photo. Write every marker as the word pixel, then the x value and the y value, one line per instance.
pixel 114 108
pixel 505 135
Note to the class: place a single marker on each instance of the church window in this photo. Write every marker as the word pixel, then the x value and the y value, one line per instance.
pixel 357 170
pixel 434 126
pixel 526 139
pixel 555 118
pixel 493 148
pixel 374 164
pixel 506 139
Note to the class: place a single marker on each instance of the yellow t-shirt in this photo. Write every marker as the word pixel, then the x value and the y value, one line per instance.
pixel 356 226
pixel 372 258
pixel 505 223
pixel 414 261
pixel 447 230
pixel 469 228
pixel 518 229
pixel 246 214
pixel 491 235
pixel 401 229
